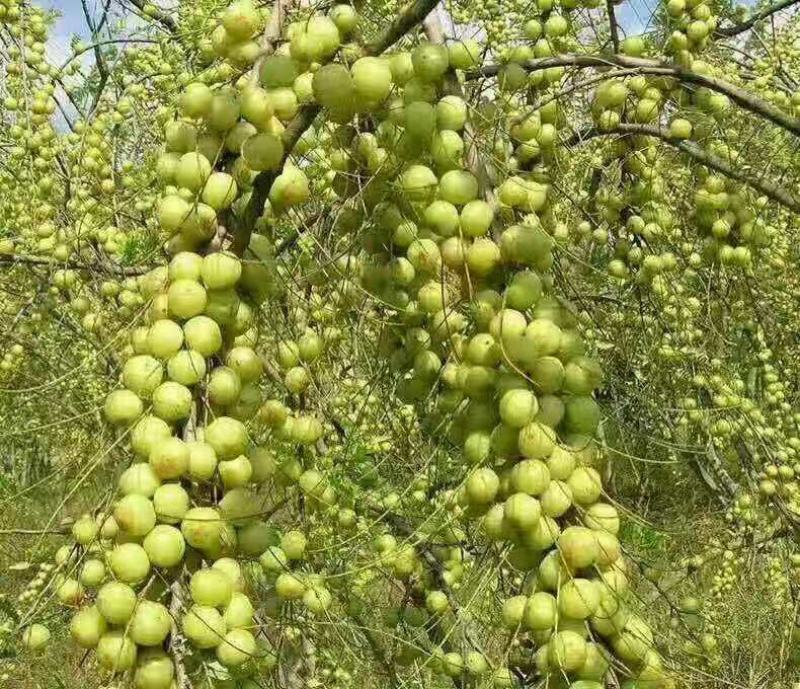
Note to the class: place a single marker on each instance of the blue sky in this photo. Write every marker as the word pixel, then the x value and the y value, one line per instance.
pixel 633 16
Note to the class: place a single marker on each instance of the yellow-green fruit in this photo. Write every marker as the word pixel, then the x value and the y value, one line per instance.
pixel 93 572
pixel 122 407
pixel 187 367
pixel 170 458
pixel 186 298
pixel 202 461
pixel 567 651
pixel 36 637
pixel 224 386
pixel 135 515
pixel 154 669
pixel 289 586
pixel 171 502
pixel 210 587
pixel 578 598
pixel 164 338
pixel 263 152
pixel 220 270
pixel 185 265
pixel 142 374
pixel 192 171
pixel 541 611
pixel 530 476
pixel 372 79
pixel 482 486
pixel 172 401
pixel 202 527
pixel 228 437
pixel 129 563
pixel 537 441
pixel 578 547
pixel 203 626
pixel 70 591
pixel 235 472
pixel 116 602
pixel 87 626
pixel 238 647
pixel 430 61
pixel 139 479
pixel 518 408
pixel 165 546
pixel 85 530
pixel 203 335
pixel 150 624
pixel 116 652
pixel 602 517
pixel 239 612
pixel 522 510
pixel 586 485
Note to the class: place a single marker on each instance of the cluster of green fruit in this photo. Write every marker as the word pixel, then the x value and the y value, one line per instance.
pixel 507 374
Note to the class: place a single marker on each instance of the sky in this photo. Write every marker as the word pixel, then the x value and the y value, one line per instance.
pixel 633 16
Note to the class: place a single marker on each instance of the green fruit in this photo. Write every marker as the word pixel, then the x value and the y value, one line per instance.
pixel 165 546
pixel 129 563
pixel 172 401
pixel 186 298
pixel 135 515
pixel 116 652
pixel 36 637
pixel 116 602
pixel 150 624
pixel 87 627
pixel 211 588
pixel 203 627
pixel 430 61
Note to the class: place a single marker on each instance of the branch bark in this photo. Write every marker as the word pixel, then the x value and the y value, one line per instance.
pixel 643 66
pixel 244 225
pixel 159 15
pixel 272 32
pixel 748 24
pixel 773 191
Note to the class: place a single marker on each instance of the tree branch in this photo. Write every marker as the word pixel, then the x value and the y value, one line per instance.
pixel 14 260
pixel 773 191
pixel 748 24
pixel 612 25
pixel 739 96
pixel 413 15
pixel 161 17
pixel 272 32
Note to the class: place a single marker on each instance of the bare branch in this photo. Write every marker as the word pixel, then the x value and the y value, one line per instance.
pixel 160 16
pixel 612 25
pixel 773 191
pixel 739 96
pixel 756 17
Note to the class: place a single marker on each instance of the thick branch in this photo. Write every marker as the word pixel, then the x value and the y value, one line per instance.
pixel 643 66
pixel 612 25
pixel 773 191
pixel 160 16
pixel 403 23
pixel 756 17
